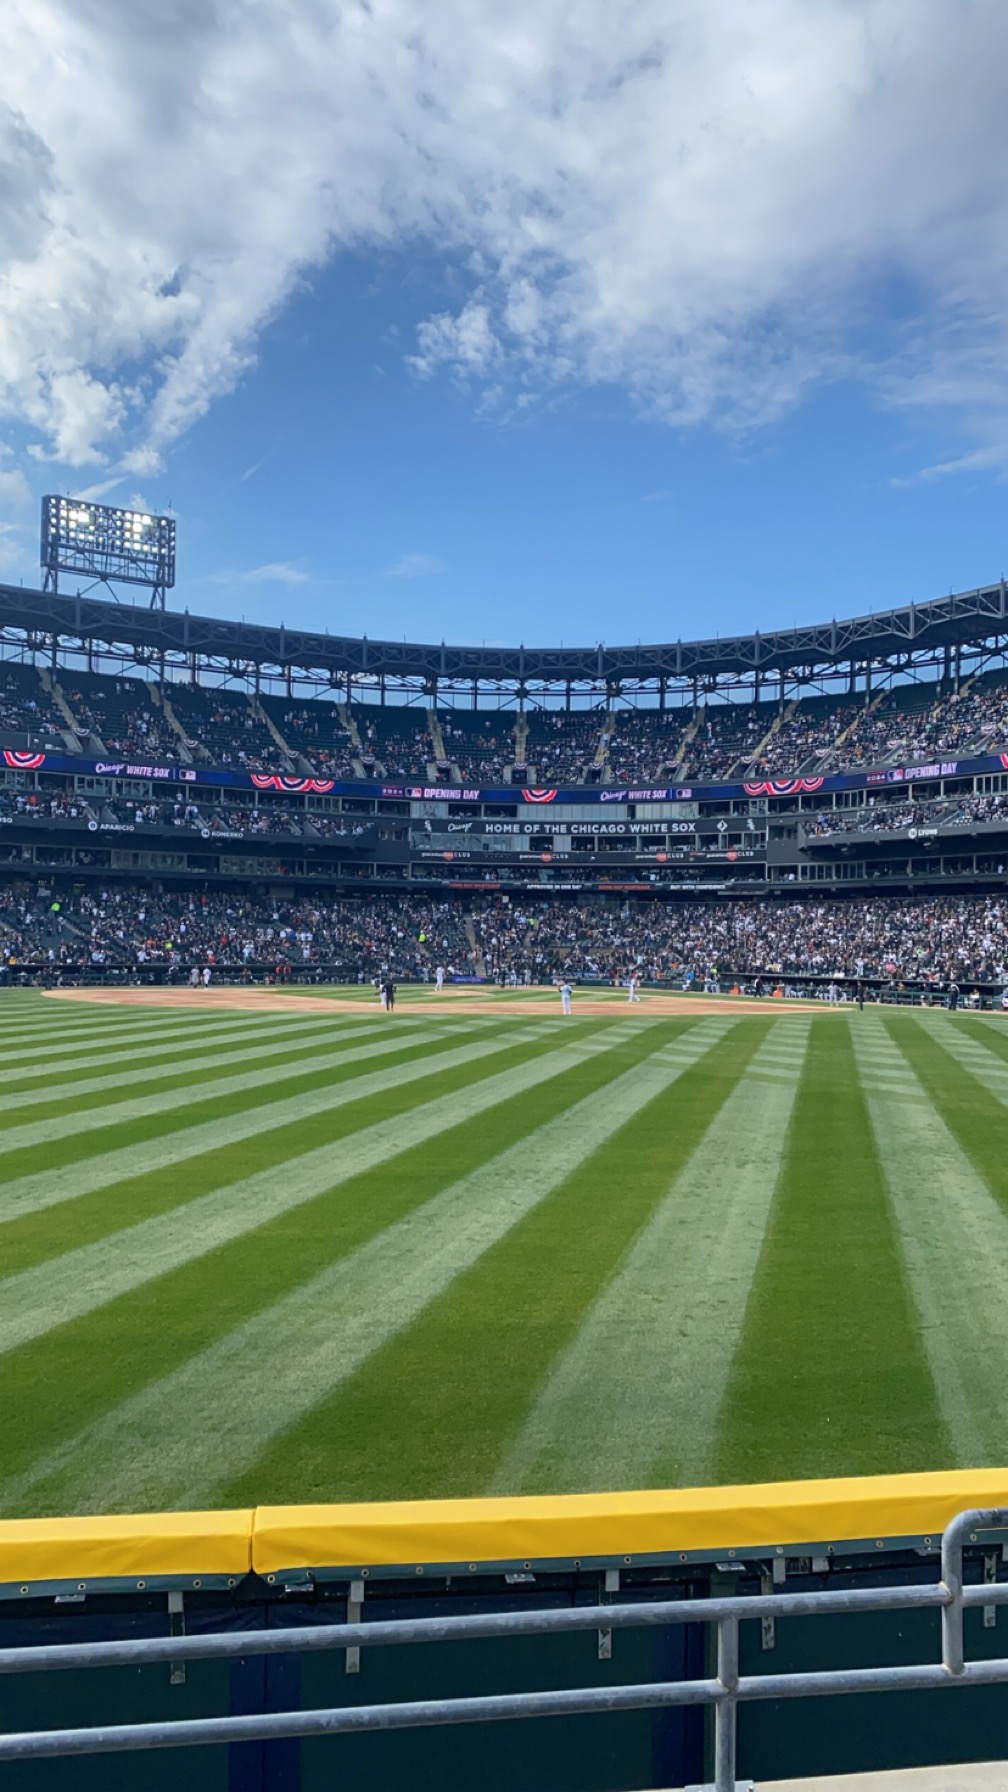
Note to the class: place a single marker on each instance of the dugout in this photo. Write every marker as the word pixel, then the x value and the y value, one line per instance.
pixel 241 1618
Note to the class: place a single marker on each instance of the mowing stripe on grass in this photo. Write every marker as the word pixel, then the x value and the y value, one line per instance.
pixel 954 1242
pixel 634 1400
pixel 199 1302
pixel 438 1404
pixel 294 1352
pixel 163 1061
pixel 988 1030
pixel 69 1182
pixel 51 1013
pixel 53 1016
pixel 48 1233
pixel 35 1074
pixel 168 1027
pixel 190 1063
pixel 975 1057
pixel 202 1105
pixel 65 1287
pixel 968 1096
pixel 43 1033
pixel 119 1113
pixel 829 1375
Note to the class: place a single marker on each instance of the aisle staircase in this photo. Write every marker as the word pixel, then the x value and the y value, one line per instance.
pixel 851 729
pixel 52 685
pixel 688 738
pixel 350 723
pixel 160 694
pixel 782 716
pixel 478 961
pixel 606 733
pixel 262 715
pixel 520 748
pixel 437 736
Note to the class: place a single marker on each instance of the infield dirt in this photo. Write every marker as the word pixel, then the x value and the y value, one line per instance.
pixel 426 1000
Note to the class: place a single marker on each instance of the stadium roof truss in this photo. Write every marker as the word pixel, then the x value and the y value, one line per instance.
pixel 890 641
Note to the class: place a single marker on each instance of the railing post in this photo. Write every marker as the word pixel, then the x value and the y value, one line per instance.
pixel 726 1710
pixel 952 1613
pixel 964 1525
pixel 354 1613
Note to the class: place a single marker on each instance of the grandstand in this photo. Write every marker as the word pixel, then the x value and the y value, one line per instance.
pixel 27 710
pixel 479 745
pixel 862 761
pixel 226 728
pixel 564 747
pixel 395 741
pixel 318 734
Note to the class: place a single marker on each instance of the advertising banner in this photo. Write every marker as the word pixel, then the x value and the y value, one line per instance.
pixel 525 797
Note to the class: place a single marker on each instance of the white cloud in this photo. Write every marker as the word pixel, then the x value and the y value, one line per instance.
pixel 15 493
pixel 465 342
pixel 100 488
pixel 414 566
pixel 275 572
pixel 714 204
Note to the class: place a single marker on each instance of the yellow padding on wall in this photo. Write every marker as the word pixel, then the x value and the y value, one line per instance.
pixel 429 1532
pixel 135 1548
pixel 618 1524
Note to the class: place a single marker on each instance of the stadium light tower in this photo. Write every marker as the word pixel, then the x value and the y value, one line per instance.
pixel 112 547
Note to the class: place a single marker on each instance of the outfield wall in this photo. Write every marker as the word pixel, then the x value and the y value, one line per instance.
pixel 567 1531
pixel 255 1570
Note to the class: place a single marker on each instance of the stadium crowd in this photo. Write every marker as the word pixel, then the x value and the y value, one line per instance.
pixel 890 938
pixel 137 926
pixel 481 744
pixel 728 736
pixel 316 732
pixel 929 939
pixel 888 818
pixel 30 805
pixel 224 726
pixel 561 745
pixel 642 744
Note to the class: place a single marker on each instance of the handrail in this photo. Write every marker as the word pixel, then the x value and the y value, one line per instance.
pixel 724 1691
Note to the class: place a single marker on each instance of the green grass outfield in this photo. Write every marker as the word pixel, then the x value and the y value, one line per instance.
pixel 308 1255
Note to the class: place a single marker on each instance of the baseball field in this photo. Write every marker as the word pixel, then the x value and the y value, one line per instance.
pixel 261 1248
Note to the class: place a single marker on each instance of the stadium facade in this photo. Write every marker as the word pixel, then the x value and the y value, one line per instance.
pixel 866 755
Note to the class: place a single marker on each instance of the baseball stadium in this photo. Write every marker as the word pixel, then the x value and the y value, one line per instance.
pixel 450 1092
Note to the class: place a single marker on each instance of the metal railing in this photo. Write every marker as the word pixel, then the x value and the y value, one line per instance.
pixel 724 1692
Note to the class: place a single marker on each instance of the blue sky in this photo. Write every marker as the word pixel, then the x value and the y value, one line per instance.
pixel 474 328
pixel 393 507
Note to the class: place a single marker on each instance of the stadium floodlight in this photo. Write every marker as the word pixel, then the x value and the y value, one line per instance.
pixel 128 547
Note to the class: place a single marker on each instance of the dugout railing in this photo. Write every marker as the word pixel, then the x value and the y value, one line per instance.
pixel 723 1608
